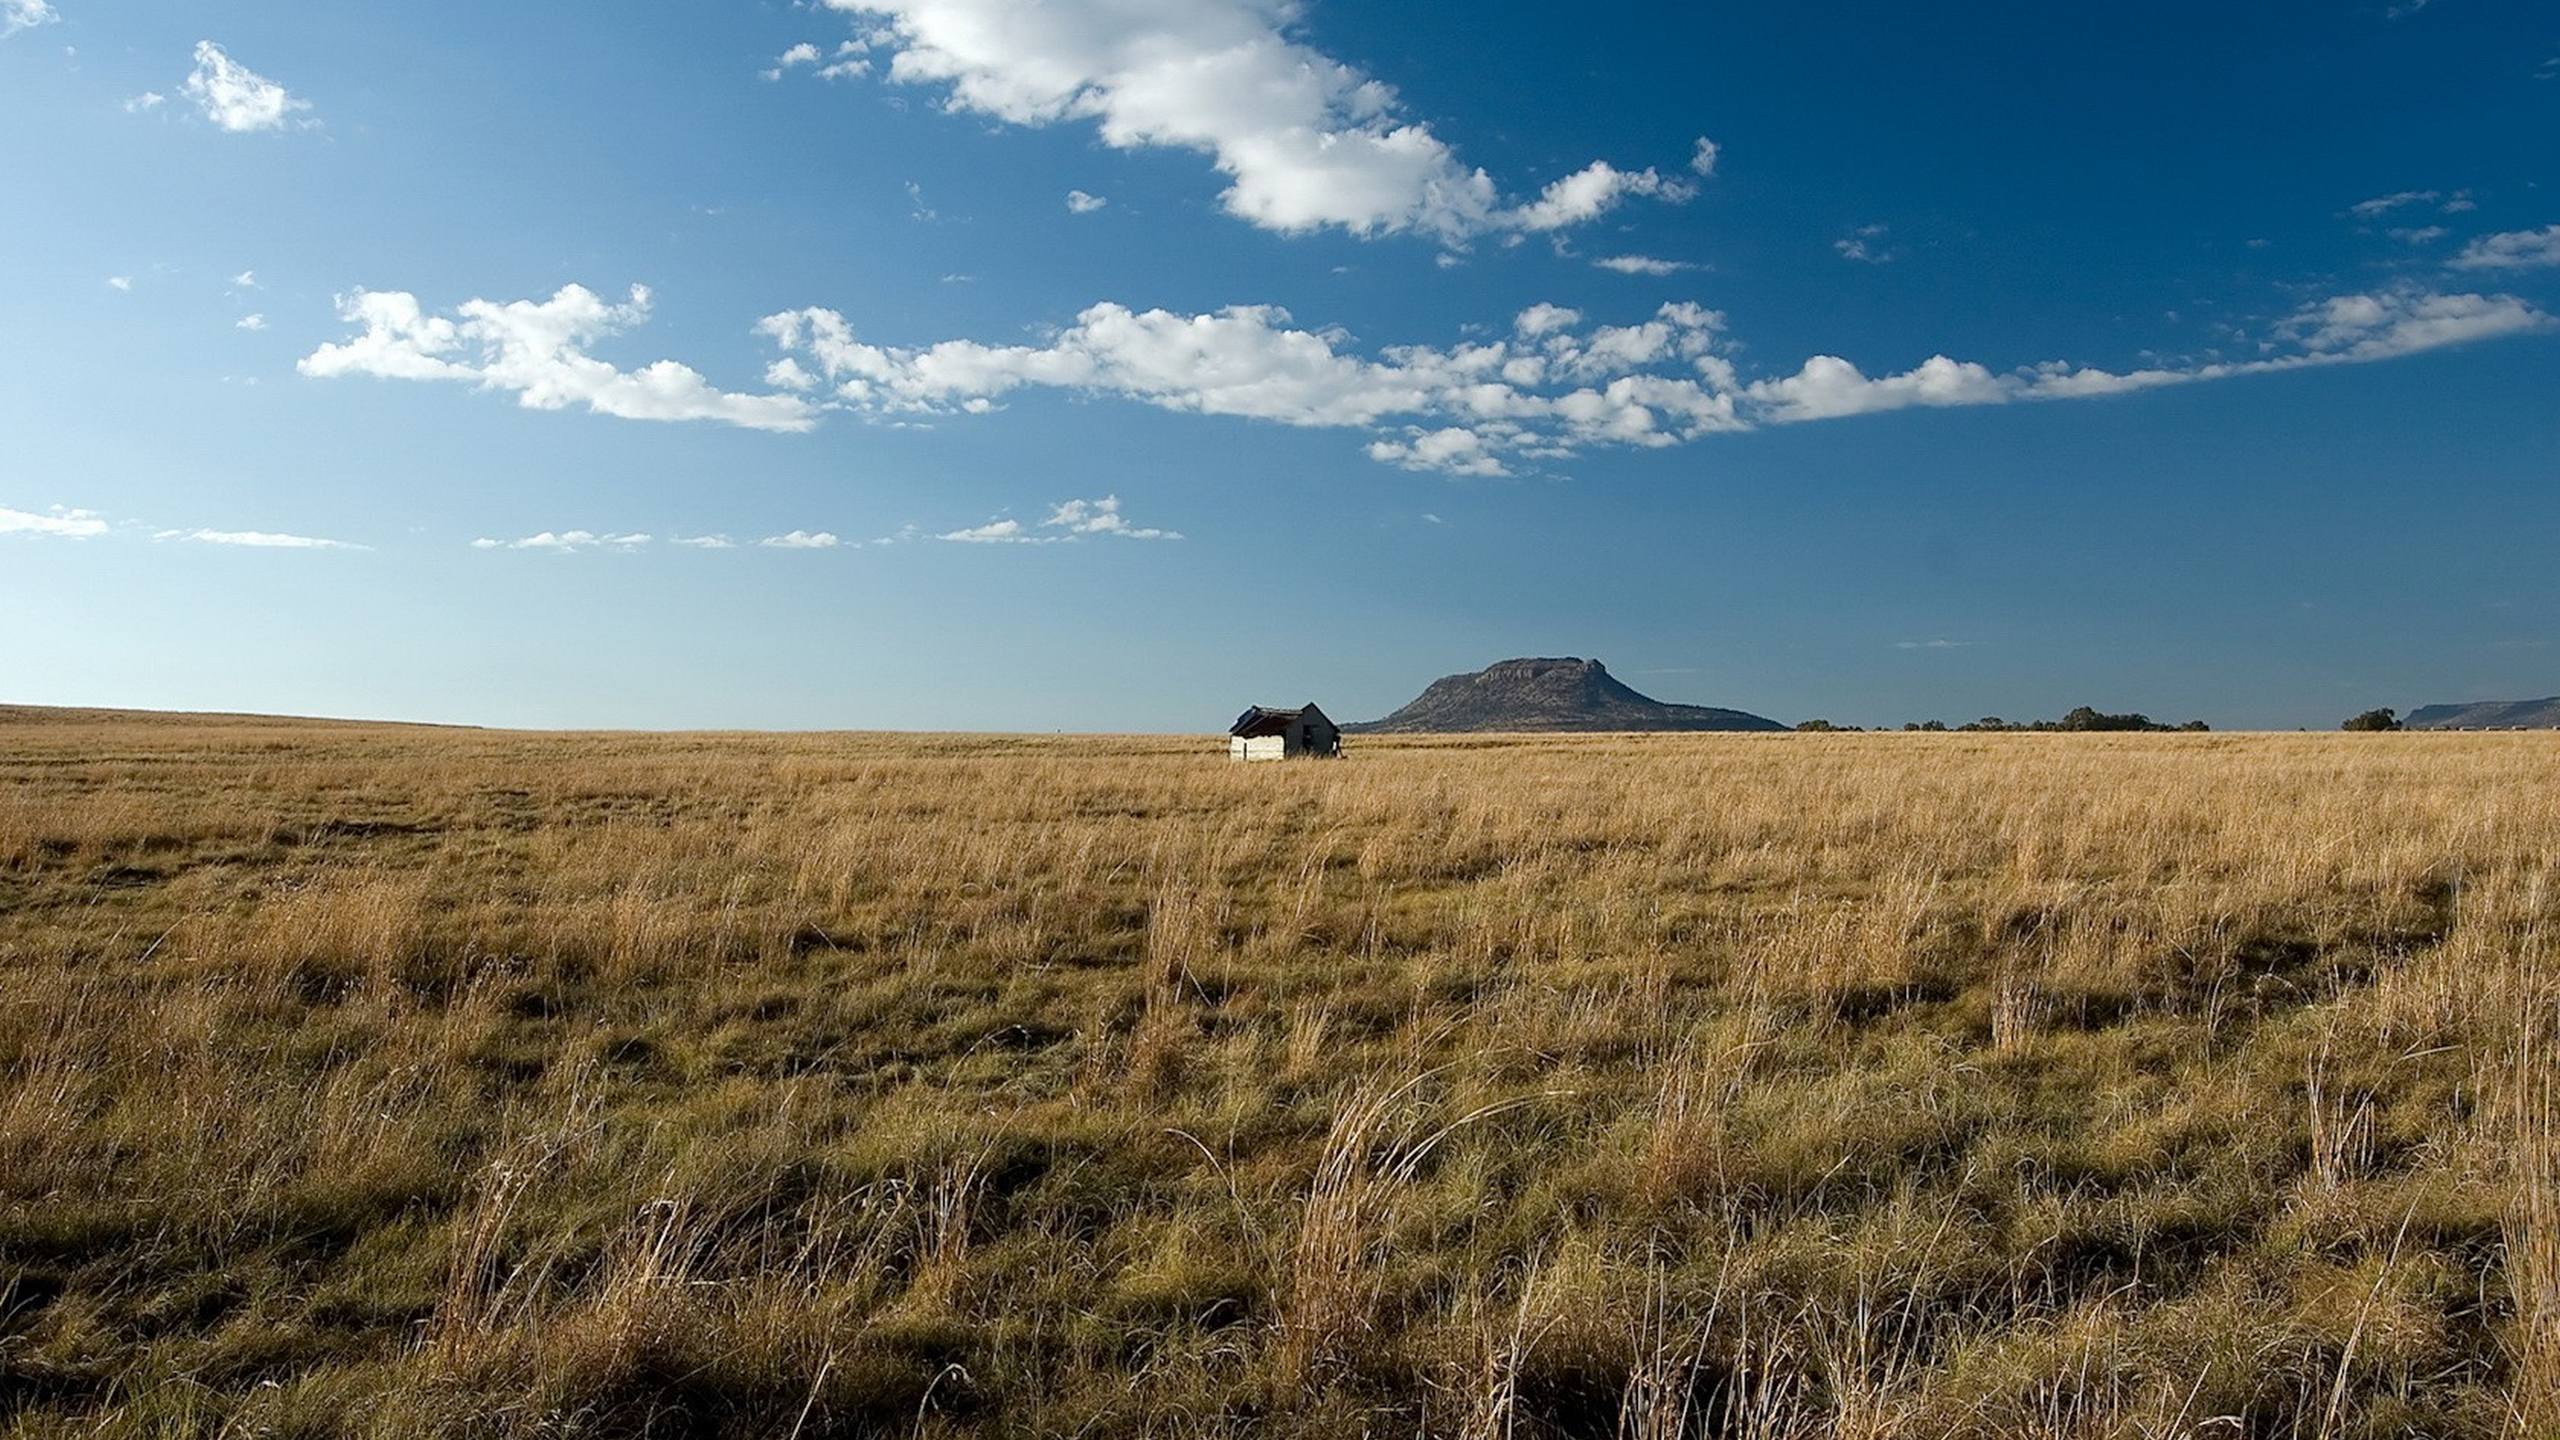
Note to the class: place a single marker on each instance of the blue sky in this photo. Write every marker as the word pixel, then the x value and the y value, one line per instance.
pixel 1112 365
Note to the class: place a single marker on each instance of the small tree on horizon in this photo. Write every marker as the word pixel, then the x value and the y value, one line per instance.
pixel 2385 718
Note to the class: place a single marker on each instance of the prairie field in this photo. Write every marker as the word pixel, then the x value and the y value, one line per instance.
pixel 388 1081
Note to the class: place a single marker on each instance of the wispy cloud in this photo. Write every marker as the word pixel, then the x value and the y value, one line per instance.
pixel 252 321
pixel 802 540
pixel 17 15
pixel 996 532
pixel 56 521
pixel 1068 521
pixel 258 539
pixel 2381 205
pixel 1866 245
pixel 1643 265
pixel 564 541
pixel 1935 644
pixel 704 542
pixel 1083 204
pixel 235 97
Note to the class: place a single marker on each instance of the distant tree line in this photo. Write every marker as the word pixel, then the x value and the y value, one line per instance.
pixel 2083 718
pixel 2385 718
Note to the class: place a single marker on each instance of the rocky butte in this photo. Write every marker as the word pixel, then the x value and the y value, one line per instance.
pixel 1566 694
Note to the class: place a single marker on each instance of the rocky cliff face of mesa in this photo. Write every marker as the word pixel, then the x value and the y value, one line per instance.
pixel 2488 715
pixel 1548 695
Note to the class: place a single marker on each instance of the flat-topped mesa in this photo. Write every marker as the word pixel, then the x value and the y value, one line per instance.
pixel 2488 715
pixel 1548 694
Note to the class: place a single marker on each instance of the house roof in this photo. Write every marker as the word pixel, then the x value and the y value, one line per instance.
pixel 1271 719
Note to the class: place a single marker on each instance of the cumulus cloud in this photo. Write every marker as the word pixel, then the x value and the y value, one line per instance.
pixel 144 103
pixel 1591 192
pixel 258 539
pixel 2512 250
pixel 1642 265
pixel 17 15
pixel 56 521
pixel 235 97
pixel 1828 387
pixel 1083 204
pixel 704 542
pixel 1555 385
pixel 803 53
pixel 802 540
pixel 1305 141
pixel 119 282
pixel 538 351
pixel 252 321
pixel 564 541
pixel 1703 159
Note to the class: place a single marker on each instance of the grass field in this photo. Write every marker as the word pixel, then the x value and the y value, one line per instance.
pixel 382 1081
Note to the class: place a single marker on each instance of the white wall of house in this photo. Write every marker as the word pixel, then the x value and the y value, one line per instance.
pixel 1259 747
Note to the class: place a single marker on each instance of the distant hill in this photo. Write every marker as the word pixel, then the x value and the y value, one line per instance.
pixel 1549 695
pixel 2488 715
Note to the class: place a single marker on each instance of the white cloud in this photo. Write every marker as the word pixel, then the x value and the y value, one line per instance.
pixel 258 539
pixel 1592 191
pixel 1828 387
pixel 1100 517
pixel 995 532
pixel 2512 250
pixel 2419 234
pixel 1545 319
pixel 538 350
pixel 1084 204
pixel 564 541
pixel 803 53
pixel 119 282
pixel 17 15
pixel 235 97
pixel 1865 245
pixel 1451 449
pixel 2381 205
pixel 144 103
pixel 802 540
pixel 250 322
pixel 705 542
pixel 245 280
pixel 1305 141
pixel 1703 159
pixel 55 521
pixel 849 62
pixel 1069 521
pixel 1555 385
pixel 1642 265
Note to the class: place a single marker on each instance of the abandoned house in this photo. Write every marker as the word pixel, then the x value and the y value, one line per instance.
pixel 1266 733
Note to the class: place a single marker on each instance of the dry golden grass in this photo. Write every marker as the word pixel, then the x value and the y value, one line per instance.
pixel 374 1081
